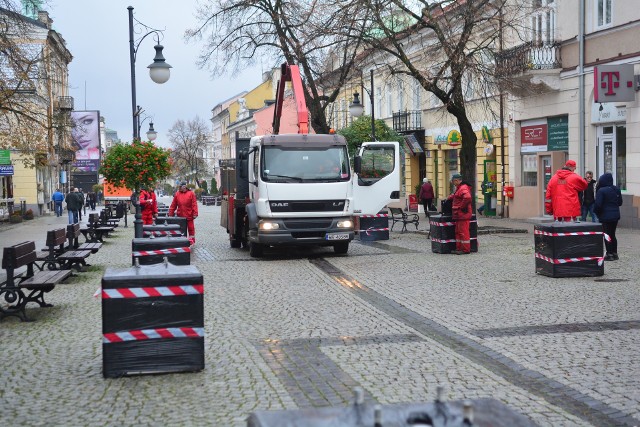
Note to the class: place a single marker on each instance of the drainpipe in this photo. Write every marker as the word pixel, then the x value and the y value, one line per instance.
pixel 581 107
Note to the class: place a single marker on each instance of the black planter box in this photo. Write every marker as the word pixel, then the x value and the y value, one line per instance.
pixel 182 222
pixel 442 232
pixel 160 230
pixel 152 251
pixel 569 249
pixel 374 228
pixel 152 320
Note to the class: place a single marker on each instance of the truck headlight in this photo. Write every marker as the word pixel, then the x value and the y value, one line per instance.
pixel 267 226
pixel 347 223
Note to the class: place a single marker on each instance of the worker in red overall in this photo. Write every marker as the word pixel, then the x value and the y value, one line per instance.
pixel 561 199
pixel 461 214
pixel 184 204
pixel 148 205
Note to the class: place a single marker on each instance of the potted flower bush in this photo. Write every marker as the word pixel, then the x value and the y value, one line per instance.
pixel 28 214
pixel 16 217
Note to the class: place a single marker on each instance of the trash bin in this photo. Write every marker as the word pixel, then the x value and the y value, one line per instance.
pixel 442 232
pixel 152 320
pixel 153 251
pixel 569 249
pixel 160 230
pixel 374 227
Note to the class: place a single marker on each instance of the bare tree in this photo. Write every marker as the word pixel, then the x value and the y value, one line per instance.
pixel 29 78
pixel 188 140
pixel 443 45
pixel 318 36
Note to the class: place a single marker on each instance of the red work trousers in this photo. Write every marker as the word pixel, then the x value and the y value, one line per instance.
pixel 191 229
pixel 147 217
pixel 463 238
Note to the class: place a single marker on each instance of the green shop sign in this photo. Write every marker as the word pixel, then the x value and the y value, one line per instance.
pixel 5 157
pixel 558 133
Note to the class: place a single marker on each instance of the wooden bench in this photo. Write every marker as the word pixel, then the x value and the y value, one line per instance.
pixel 73 233
pixel 55 253
pixel 94 232
pixel 36 283
pixel 398 215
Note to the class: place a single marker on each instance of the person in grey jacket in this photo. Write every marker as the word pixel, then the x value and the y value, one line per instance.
pixel 74 204
pixel 607 208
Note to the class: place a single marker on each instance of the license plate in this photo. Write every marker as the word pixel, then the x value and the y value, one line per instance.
pixel 338 236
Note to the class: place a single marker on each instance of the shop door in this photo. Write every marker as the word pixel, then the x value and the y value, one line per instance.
pixel 606 151
pixel 546 173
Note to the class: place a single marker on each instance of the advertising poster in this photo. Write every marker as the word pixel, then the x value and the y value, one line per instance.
pixel 533 136
pixel 85 133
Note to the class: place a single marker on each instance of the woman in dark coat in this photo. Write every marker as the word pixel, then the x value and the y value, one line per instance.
pixel 607 208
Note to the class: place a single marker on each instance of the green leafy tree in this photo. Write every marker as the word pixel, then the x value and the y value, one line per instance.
pixel 214 186
pixel 360 131
pixel 137 164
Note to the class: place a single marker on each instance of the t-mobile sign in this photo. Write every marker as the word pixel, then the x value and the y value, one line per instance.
pixel 613 83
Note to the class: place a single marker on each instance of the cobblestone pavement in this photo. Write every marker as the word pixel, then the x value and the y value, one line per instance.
pixel 301 328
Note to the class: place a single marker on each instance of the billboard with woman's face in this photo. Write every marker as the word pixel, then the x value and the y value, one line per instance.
pixel 85 133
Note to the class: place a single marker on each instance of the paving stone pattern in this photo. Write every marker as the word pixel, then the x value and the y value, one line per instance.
pixel 301 327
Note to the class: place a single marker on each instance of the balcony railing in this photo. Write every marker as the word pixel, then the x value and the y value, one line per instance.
pixel 407 121
pixel 527 57
pixel 65 103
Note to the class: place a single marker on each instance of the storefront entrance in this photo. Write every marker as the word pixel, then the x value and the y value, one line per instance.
pixel 612 153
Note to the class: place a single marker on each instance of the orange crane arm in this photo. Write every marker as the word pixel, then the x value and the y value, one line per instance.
pixel 291 73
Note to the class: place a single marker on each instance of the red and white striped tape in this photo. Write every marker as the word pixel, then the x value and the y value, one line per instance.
pixel 160 233
pixel 449 240
pixel 169 251
pixel 158 291
pixel 371 229
pixel 375 216
pixel 568 260
pixel 152 334
pixel 576 233
pixel 442 224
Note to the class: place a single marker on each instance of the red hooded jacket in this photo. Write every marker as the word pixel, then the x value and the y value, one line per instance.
pixel 185 204
pixel 561 199
pixel 148 208
pixel 461 206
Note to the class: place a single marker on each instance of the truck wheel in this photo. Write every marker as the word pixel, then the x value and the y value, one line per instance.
pixel 235 243
pixel 255 250
pixel 341 248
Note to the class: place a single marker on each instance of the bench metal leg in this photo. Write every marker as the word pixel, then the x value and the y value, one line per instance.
pixel 14 295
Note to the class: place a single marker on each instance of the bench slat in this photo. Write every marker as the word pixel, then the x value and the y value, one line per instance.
pixel 46 278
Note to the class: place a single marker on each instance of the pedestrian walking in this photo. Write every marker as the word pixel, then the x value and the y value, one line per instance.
pixel 91 200
pixel 73 205
pixel 148 205
pixel 607 207
pixel 58 198
pixel 80 196
pixel 562 200
pixel 588 198
pixel 184 204
pixel 461 214
pixel 426 196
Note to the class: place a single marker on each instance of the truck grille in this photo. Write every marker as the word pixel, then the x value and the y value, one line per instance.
pixel 316 223
pixel 307 206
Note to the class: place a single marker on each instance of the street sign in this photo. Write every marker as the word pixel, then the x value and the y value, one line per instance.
pixel 6 170
pixel 5 157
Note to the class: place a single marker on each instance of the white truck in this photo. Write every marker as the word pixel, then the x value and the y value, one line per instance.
pixel 300 189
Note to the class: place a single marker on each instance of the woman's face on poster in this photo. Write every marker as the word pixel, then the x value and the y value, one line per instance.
pixel 85 131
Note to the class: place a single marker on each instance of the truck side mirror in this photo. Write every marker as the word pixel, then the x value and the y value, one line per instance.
pixel 357 164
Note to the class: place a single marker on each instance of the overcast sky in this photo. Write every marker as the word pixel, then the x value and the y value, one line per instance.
pixel 97 35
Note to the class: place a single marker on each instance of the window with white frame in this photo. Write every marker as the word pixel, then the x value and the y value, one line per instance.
pixel 417 95
pixel 343 113
pixel 389 101
pixel 603 12
pixel 379 101
pixel 543 22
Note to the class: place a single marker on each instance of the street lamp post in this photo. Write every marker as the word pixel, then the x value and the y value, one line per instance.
pixel 159 71
pixel 356 108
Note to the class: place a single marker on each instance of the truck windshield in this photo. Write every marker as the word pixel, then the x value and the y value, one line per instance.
pixel 297 164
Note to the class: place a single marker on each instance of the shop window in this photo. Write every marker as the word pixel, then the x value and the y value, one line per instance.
pixel 603 13
pixel 529 170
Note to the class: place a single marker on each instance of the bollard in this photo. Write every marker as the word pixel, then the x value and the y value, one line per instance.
pixel 182 222
pixel 569 249
pixel 161 230
pixel 152 320
pixel 374 227
pixel 442 232
pixel 153 250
